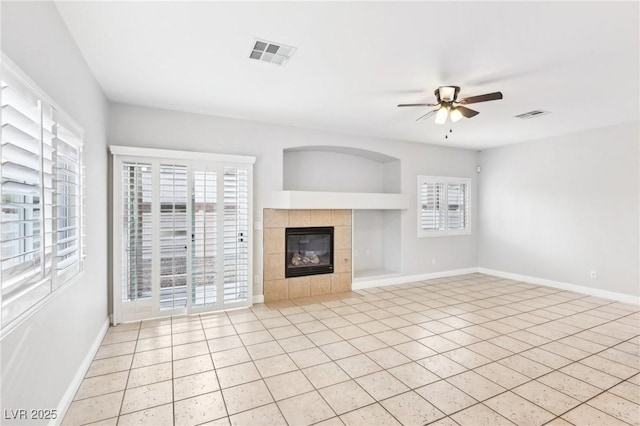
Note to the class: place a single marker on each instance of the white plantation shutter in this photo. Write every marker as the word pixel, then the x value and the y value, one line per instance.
pixel 137 231
pixel 204 278
pixel 185 240
pixel 457 205
pixel 67 197
pixel 236 234
pixel 432 205
pixel 173 236
pixel 24 281
pixel 32 185
pixel 443 206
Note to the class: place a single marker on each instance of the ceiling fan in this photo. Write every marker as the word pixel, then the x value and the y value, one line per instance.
pixel 450 106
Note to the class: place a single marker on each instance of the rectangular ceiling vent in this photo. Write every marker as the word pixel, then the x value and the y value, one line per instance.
pixel 275 53
pixel 534 113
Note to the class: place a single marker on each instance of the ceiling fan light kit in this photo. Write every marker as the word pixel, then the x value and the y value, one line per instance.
pixel 452 108
pixel 441 116
pixel 455 115
pixel 447 93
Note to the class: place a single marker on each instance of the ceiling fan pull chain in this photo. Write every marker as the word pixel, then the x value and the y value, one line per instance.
pixel 446 135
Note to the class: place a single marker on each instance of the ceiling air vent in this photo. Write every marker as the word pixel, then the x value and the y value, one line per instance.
pixel 534 113
pixel 275 53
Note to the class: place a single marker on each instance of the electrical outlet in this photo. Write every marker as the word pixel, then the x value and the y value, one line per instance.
pixel 433 261
pixel 367 252
pixel 594 275
pixel 256 279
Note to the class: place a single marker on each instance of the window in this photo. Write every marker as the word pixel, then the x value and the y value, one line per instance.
pixel 41 188
pixel 443 206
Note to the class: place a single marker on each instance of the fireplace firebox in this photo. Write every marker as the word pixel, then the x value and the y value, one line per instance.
pixel 308 251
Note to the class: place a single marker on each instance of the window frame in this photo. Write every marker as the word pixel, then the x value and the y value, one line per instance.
pixel 51 280
pixel 446 181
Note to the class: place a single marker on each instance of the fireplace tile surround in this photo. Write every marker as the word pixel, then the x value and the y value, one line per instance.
pixel 276 286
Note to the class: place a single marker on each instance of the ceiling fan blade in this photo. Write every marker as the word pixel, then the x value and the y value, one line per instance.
pixel 482 98
pixel 414 105
pixel 426 115
pixel 467 112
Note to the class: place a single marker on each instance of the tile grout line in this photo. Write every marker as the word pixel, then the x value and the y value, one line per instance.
pixel 400 294
pixel 224 401
pixel 124 393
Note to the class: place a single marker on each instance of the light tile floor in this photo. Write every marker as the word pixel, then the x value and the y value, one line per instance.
pixel 469 350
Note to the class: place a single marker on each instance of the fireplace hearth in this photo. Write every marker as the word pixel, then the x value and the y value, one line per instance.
pixel 308 251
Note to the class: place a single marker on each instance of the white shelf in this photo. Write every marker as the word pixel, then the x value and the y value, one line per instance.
pixel 373 274
pixel 337 200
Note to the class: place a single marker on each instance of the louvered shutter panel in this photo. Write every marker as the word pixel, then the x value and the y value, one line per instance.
pixel 41 159
pixel 457 206
pixel 137 244
pixel 236 234
pixel 173 236
pixel 67 196
pixel 24 281
pixel 432 213
pixel 204 239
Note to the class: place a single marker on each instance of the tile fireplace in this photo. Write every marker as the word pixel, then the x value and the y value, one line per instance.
pixel 280 249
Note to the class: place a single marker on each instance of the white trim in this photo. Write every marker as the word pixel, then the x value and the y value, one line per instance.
pixel 605 294
pixel 73 387
pixel 180 155
pixel 404 279
pixel 31 84
pixel 435 233
pixel 320 200
pixel 258 298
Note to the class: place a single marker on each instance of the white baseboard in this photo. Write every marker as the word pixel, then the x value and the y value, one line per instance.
pixel 605 294
pixel 67 398
pixel 403 279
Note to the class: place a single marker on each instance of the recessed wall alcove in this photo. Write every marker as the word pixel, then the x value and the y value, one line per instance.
pixel 340 169
pixel 376 249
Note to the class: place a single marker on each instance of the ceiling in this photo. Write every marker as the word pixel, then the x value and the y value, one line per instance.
pixel 355 61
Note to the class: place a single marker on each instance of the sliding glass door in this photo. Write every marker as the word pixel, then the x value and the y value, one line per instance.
pixel 181 236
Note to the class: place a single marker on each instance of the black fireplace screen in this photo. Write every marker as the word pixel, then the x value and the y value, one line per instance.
pixel 309 251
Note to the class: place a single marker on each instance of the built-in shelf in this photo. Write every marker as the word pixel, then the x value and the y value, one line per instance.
pixel 337 200
pixel 370 274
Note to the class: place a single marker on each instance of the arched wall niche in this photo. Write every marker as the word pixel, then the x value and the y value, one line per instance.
pixel 340 169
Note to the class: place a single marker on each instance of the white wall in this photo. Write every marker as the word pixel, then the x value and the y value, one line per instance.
pixel 155 128
pixel 561 207
pixel 368 240
pixel 40 357
pixel 332 172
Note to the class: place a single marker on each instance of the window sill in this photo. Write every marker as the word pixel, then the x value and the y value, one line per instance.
pixel 434 234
